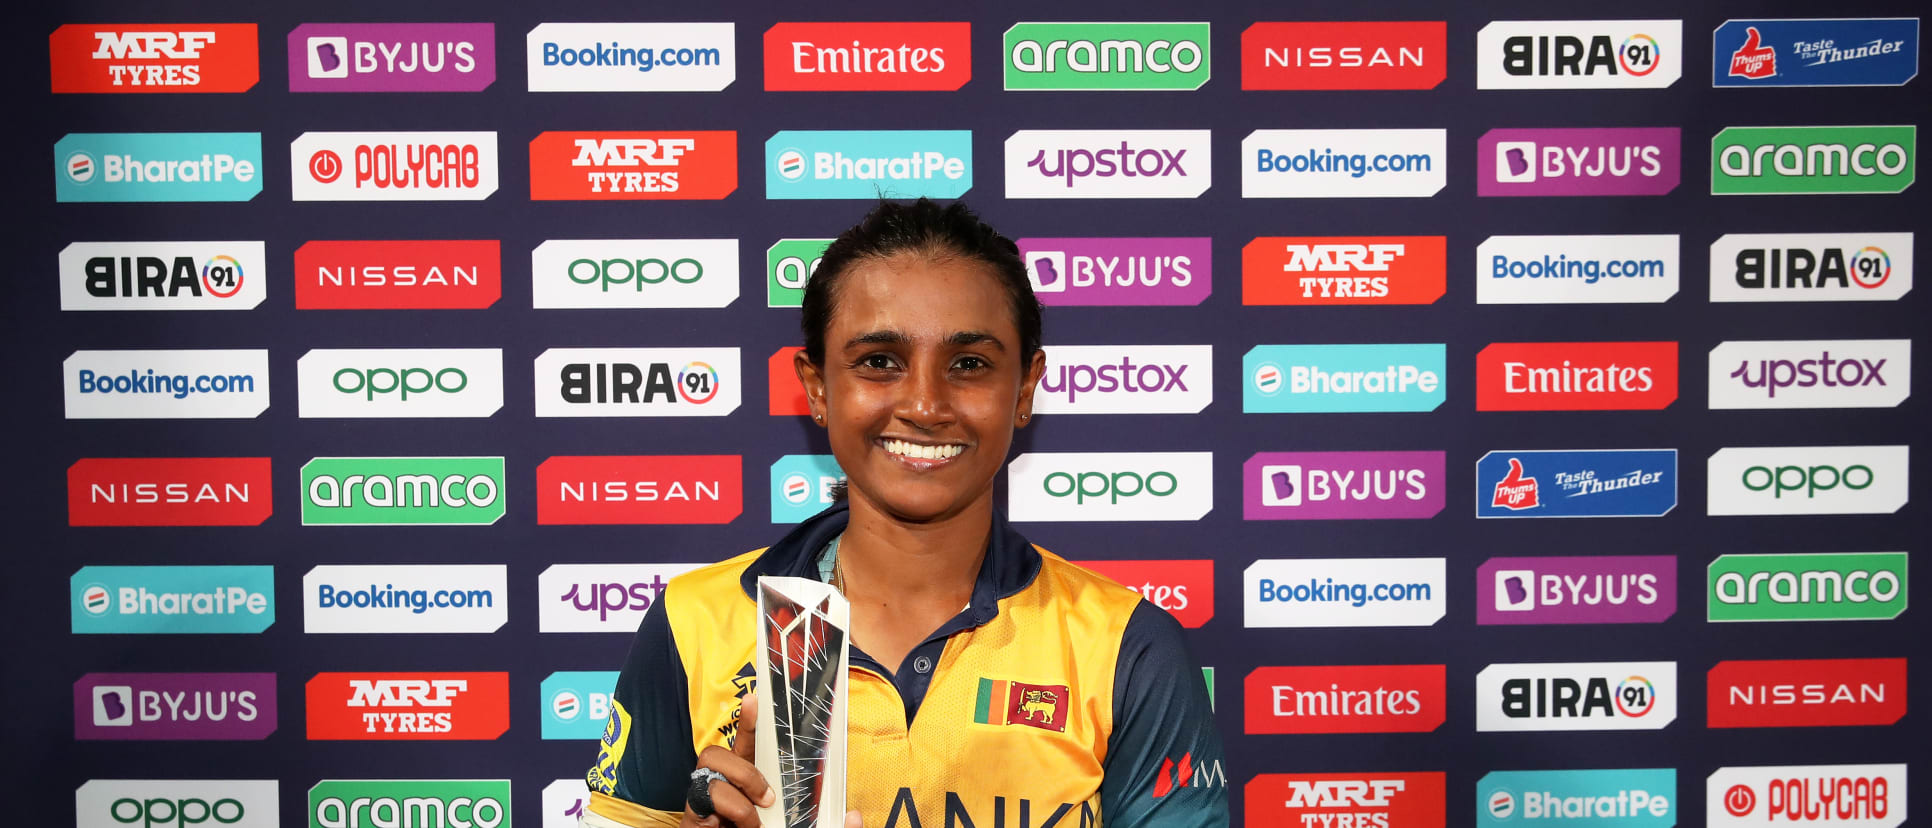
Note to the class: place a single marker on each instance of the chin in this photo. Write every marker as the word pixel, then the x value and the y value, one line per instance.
pixel 912 505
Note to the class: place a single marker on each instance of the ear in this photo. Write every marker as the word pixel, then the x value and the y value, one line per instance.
pixel 1023 412
pixel 814 382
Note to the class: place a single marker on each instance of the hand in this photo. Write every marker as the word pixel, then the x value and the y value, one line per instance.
pixel 732 797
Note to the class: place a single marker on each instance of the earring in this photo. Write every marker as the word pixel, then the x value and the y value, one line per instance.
pixel 820 418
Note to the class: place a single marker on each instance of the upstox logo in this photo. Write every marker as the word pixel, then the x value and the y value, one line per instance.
pixel 1840 586
pixel 1624 695
pixel 1344 163
pixel 1579 54
pixel 801 486
pixel 158 166
pixel 405 599
pixel 172 599
pixel 1811 267
pixel 634 273
pixel 869 164
pixel 403 382
pixel 1540 270
pixel 231 275
pixel 167 385
pixel 1126 379
pixel 1813 160
pixel 1083 486
pixel 575 704
pixel 1106 56
pixel 1101 163
pixel 419 803
pixel 1808 480
pixel 157 803
pixel 1343 378
pixel 789 264
pixel 1634 798
pixel 402 491
pixel 1818 373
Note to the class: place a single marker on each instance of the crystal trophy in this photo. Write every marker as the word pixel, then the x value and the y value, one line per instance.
pixel 802 646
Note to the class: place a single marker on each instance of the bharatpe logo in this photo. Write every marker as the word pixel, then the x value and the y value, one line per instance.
pixel 1336 55
pixel 1612 589
pixel 172 599
pixel 1853 796
pixel 1304 379
pixel 1808 480
pixel 1624 695
pixel 1344 163
pixel 1342 485
pixel 610 598
pixel 1637 798
pixel 403 382
pixel 166 385
pixel 415 803
pixel 1087 486
pixel 1613 161
pixel 235 803
pixel 158 166
pixel 392 57
pixel 638 382
pixel 1813 160
pixel 631 57
pixel 1583 483
pixel 393 166
pixel 1841 52
pixel 1107 163
pixel 801 486
pixel 633 166
pixel 1819 692
pixel 1119 271
pixel 1344 592
pixel 640 489
pixel 1185 589
pixel 408 706
pixel 1106 56
pixel 1819 373
pixel 1126 379
pixel 402 491
pixel 397 275
pixel 1832 586
pixel 1393 698
pixel 170 57
pixel 1579 54
pixel 169 491
pixel 1543 270
pixel 575 705
pixel 869 164
pixel 162 276
pixel 405 599
pixel 1344 270
pixel 1375 798
pixel 789 264
pixel 174 706
pixel 1576 376
pixel 634 273
pixel 868 57
pixel 1811 267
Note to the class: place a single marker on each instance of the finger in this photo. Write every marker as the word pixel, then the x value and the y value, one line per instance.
pixel 741 772
pixel 747 742
pixel 854 820
pixel 731 804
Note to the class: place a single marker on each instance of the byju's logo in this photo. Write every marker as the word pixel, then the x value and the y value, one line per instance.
pixel 397 275
pixel 1344 163
pixel 869 164
pixel 1079 486
pixel 1342 485
pixel 1637 798
pixel 405 599
pixel 158 166
pixel 1344 592
pixel 1576 376
pixel 1104 163
pixel 172 599
pixel 1614 589
pixel 1853 796
pixel 1126 379
pixel 408 706
pixel 1184 588
pixel 402 491
pixel 1343 378
pixel 1613 161
pixel 162 276
pixel 1843 52
pixel 1839 586
pixel 150 385
pixel 1579 54
pixel 1623 695
pixel 186 57
pixel 393 166
pixel 1808 480
pixel 638 382
pixel 634 273
pixel 1392 698
pixel 631 57
pixel 1813 160
pixel 1811 267
pixel 174 706
pixel 801 486
pixel 1344 270
pixel 600 597
pixel 682 489
pixel 1378 798
pixel 789 264
pixel 404 382
pixel 392 57
pixel 1820 373
pixel 575 705
pixel 340 803
pixel 1107 56
pixel 866 57
pixel 1537 270
pixel 1819 692
pixel 234 803
pixel 633 166
pixel 1336 55
pixel 1582 483
pixel 169 491
pixel 1119 271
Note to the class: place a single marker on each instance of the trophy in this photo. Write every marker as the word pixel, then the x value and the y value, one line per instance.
pixel 801 737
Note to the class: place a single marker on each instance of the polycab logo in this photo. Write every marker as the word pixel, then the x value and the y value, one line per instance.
pixel 1811 267
pixel 1377 799
pixel 634 273
pixel 801 486
pixel 1581 483
pixel 404 382
pixel 1842 52
pixel 1396 698
pixel 1184 588
pixel 1119 271
pixel 789 264
pixel 1808 480
pixel 228 275
pixel 1344 270
pixel 236 803
pixel 1622 695
pixel 1854 796
pixel 1086 486
pixel 1579 54
pixel 158 166
pixel 638 382
pixel 1541 270
pixel 392 57
pixel 1107 163
pixel 612 598
pixel 172 599
pixel 397 275
pixel 174 706
pixel 576 704
pixel 1344 592
pixel 405 599
pixel 1344 163
pixel 633 166
pixel 1613 161
pixel 564 801
pixel 166 385
pixel 1106 56
pixel 1813 160
pixel 1126 379
pixel 686 489
pixel 868 164
pixel 1819 373
pixel 393 166
pixel 1343 378
pixel 787 394
pixel 408 706
pixel 169 491
pixel 1615 589
pixel 1634 798
pixel 1576 376
pixel 1342 485
pixel 339 803
pixel 631 57
pixel 868 57
pixel 402 491
pixel 1823 692
pixel 1834 586
pixel 169 57
pixel 1333 55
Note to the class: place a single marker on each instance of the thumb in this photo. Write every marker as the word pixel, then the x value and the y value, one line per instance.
pixel 747 742
pixel 1751 40
pixel 1515 475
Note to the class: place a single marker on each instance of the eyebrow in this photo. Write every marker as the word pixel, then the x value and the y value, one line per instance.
pixel 891 337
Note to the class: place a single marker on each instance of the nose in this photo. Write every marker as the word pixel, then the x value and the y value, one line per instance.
pixel 925 398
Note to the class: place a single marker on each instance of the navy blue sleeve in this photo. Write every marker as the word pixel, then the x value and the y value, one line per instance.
pixel 645 755
pixel 1163 767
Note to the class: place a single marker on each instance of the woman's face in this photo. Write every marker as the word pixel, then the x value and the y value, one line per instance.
pixel 923 383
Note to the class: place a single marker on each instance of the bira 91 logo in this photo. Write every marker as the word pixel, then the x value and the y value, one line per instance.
pixel 402 382
pixel 415 803
pixel 1822 692
pixel 1621 695
pixel 228 275
pixel 1396 698
pixel 1808 480
pixel 1633 798
pixel 1579 54
pixel 789 264
pixel 686 489
pixel 1344 163
pixel 1819 373
pixel 1611 161
pixel 1357 800
pixel 1344 592
pixel 1306 379
pixel 633 166
pixel 1184 588
pixel 1576 376
pixel 576 704
pixel 1813 160
pixel 1614 589
pixel 1853 796
pixel 1342 485
pixel 1811 267
pixel 158 166
pixel 172 599
pixel 397 275
pixel 170 57
pixel 402 491
pixel 868 164
pixel 1881 51
pixel 1582 483
pixel 611 598
pixel 801 485
pixel 638 382
pixel 1106 56
pixel 405 599
pixel 868 57
pixel 1126 379
pixel 1539 270
pixel 169 491
pixel 631 57
pixel 1831 586
pixel 392 57
pixel 393 166
pixel 1103 163
pixel 1085 486
pixel 1336 55
pixel 1344 270
pixel 174 706
pixel 634 273
pixel 166 385
pixel 1119 271
pixel 408 706
pixel 234 803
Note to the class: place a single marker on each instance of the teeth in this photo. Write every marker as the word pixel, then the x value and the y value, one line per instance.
pixel 915 450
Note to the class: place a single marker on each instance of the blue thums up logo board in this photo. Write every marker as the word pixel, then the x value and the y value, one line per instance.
pixel 1328 379
pixel 869 164
pixel 575 704
pixel 1635 798
pixel 1868 52
pixel 1594 483
pixel 158 166
pixel 801 486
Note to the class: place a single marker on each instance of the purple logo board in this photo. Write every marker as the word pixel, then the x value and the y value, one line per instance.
pixel 1119 271
pixel 392 57
pixel 125 706
pixel 1623 161
pixel 1615 589
pixel 1342 485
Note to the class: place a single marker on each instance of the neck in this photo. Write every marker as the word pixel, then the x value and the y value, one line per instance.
pixel 885 560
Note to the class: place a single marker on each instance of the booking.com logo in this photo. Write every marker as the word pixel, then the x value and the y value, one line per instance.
pixel 417 601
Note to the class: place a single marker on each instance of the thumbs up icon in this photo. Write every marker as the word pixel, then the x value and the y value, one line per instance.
pixel 1754 60
pixel 1515 491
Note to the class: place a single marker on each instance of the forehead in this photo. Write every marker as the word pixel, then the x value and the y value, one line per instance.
pixel 920 294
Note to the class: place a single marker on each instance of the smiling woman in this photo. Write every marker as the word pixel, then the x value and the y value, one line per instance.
pixel 990 679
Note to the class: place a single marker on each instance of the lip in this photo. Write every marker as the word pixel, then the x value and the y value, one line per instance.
pixel 920 463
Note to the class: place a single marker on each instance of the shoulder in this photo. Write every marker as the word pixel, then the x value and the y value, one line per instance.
pixel 1077 590
pixel 713 581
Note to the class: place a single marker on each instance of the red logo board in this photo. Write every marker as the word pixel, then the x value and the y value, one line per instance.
pixel 1330 55
pixel 1823 692
pixel 408 706
pixel 163 57
pixel 1344 270
pixel 395 275
pixel 1183 588
pixel 787 393
pixel 631 166
pixel 863 57
pixel 169 491
pixel 1398 698
pixel 681 489
pixel 1576 376
pixel 1385 800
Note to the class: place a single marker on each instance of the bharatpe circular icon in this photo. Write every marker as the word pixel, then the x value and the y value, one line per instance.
pixel 565 705
pixel 81 168
pixel 94 599
pixel 1502 805
pixel 791 165
pixel 1267 378
pixel 797 488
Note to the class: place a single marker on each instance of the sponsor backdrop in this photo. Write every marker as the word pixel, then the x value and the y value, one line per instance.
pixel 1473 385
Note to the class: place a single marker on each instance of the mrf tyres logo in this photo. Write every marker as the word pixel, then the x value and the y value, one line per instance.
pixel 1376 799
pixel 1821 373
pixel 634 273
pixel 1396 698
pixel 1539 270
pixel 631 57
pixel 1852 796
pixel 1344 270
pixel 638 382
pixel 172 599
pixel 402 491
pixel 1813 160
pixel 1184 588
pixel 1811 267
pixel 1808 480
pixel 639 489
pixel 868 57
pixel 393 166
pixel 408 706
pixel 174 706
pixel 1623 695
pixel 1821 692
pixel 392 57
pixel 177 57
pixel 1351 55
pixel 1576 376
pixel 398 275
pixel 151 385
pixel 868 164
pixel 409 803
pixel 1087 486
pixel 1633 798
pixel 633 166
pixel 1344 592
pixel 1126 379
pixel 153 803
pixel 158 166
pixel 1342 485
pixel 169 491
pixel 1119 271
pixel 1583 483
pixel 403 382
pixel 1343 378
pixel 1614 589
pixel 601 597
pixel 1610 161
pixel 405 599
pixel 1103 163
pixel 1344 163
pixel 1832 586
pixel 1579 54
pixel 576 704
pixel 220 275
pixel 1880 51
pixel 1106 56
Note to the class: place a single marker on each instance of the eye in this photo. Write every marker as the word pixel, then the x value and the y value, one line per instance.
pixel 876 362
pixel 970 363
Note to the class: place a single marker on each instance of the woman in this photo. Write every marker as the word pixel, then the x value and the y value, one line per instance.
pixel 1053 698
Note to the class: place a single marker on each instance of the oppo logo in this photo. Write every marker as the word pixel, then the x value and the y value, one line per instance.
pixel 427 382
pixel 634 273
pixel 1113 486
pixel 1073 486
pixel 1811 480
pixel 176 803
